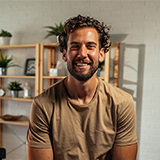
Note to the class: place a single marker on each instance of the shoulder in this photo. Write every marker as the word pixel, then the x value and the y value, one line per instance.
pixel 115 94
pixel 43 104
pixel 50 94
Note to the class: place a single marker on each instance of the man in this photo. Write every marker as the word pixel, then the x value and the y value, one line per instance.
pixel 82 117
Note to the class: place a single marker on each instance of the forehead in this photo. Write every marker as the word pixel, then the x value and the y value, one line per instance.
pixel 84 35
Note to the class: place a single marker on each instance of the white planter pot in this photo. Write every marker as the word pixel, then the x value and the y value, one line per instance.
pixel 3 71
pixel 5 41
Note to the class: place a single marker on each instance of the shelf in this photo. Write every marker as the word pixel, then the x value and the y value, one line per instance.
pixel 11 76
pixel 18 122
pixel 17 99
pixel 18 46
pixel 54 77
pixel 48 46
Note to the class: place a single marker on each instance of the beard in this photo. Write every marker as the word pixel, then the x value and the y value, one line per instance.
pixel 79 75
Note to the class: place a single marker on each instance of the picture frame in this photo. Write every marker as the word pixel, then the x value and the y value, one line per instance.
pixel 30 67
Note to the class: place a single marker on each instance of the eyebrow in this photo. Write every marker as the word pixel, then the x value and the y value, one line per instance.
pixel 74 42
pixel 92 43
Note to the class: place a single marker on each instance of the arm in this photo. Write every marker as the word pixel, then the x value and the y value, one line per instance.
pixel 38 140
pixel 39 154
pixel 125 152
pixel 125 147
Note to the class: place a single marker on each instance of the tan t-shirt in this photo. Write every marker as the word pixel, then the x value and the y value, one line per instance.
pixel 82 132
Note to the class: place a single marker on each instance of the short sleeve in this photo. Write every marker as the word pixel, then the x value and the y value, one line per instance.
pixel 38 135
pixel 126 124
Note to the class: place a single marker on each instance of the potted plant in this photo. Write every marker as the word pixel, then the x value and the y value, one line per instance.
pixel 5 63
pixel 15 87
pixel 5 37
pixel 54 30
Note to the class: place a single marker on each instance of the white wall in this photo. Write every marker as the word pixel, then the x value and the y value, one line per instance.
pixel 139 19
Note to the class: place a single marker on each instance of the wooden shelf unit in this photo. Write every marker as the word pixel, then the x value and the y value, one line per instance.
pixel 36 77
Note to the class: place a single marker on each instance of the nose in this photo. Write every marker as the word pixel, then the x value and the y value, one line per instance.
pixel 83 51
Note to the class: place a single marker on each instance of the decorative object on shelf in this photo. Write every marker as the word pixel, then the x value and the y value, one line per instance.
pixel 8 117
pixel 27 91
pixel 100 68
pixel 15 87
pixel 55 30
pixel 5 37
pixel 58 70
pixel 30 67
pixel 2 92
pixel 5 63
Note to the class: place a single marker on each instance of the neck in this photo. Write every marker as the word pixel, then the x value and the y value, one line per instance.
pixel 81 92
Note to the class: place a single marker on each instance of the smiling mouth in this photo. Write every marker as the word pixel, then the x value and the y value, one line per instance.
pixel 82 63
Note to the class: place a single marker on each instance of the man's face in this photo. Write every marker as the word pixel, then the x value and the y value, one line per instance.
pixel 83 55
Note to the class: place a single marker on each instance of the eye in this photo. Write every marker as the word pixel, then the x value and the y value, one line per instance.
pixel 75 47
pixel 91 46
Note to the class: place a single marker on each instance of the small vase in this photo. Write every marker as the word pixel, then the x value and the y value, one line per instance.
pixel 57 39
pixel 27 91
pixel 3 71
pixel 14 94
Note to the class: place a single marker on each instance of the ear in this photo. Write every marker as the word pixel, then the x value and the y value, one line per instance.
pixel 101 55
pixel 64 56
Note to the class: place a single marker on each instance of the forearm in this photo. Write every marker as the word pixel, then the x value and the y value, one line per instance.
pixel 39 154
pixel 125 152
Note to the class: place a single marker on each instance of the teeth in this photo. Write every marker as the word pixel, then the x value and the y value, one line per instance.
pixel 80 64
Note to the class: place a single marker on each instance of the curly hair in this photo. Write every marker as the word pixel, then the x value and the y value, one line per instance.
pixel 81 22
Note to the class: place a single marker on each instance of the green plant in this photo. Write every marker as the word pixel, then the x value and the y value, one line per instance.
pixel 15 86
pixel 4 61
pixel 5 33
pixel 54 30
